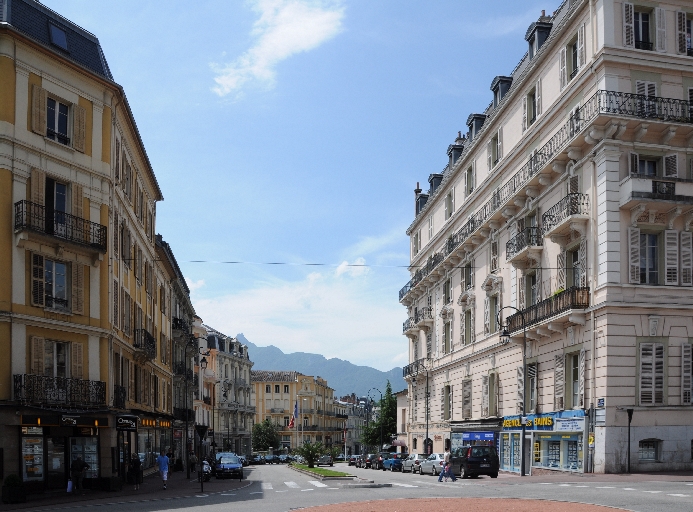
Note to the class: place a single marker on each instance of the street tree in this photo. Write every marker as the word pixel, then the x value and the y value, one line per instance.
pixel 311 452
pixel 265 435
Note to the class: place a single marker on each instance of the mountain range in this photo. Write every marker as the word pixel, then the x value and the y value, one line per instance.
pixel 342 376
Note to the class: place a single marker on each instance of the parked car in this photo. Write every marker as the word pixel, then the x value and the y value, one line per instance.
pixel 271 459
pixel 472 461
pixel 353 459
pixel 413 462
pixel 257 459
pixel 372 457
pixel 325 460
pixel 243 459
pixel 340 458
pixel 228 466
pixel 433 464
pixel 284 459
pixel 394 463
pixel 381 457
pixel 298 459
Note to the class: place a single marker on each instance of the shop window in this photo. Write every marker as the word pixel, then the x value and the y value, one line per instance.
pixel 649 450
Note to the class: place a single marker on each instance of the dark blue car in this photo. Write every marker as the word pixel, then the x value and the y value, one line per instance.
pixel 228 466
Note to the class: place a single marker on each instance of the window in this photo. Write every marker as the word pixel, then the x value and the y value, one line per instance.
pixel 305 421
pixel 651 374
pixel 467 277
pixel 494 256
pixel 649 266
pixel 649 450
pixel 467 399
pixel 56 121
pixel 469 181
pixel 529 107
pixel 276 388
pixel 447 291
pixel 286 421
pixel 572 57
pixel 572 270
pixel 468 327
pixel 56 359
pixel 447 337
pixel 532 289
pixel 415 443
pixel 447 403
pixel 532 388
pixel 494 308
pixel 449 204
pixel 575 378
pixel 268 388
pixel 286 388
pixel 430 227
pixel 641 30
pixel 58 36
pixel 416 243
pixel 494 149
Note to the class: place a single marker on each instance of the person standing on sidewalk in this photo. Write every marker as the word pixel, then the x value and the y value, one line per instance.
pixel 79 467
pixel 162 462
pixel 193 462
pixel 136 470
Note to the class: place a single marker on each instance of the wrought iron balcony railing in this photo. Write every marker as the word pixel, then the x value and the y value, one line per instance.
pixel 528 237
pixel 600 103
pixel 181 414
pixel 120 395
pixel 38 218
pixel 56 303
pixel 59 391
pixel 180 324
pixel 409 323
pixel 423 314
pixel 572 298
pixel 414 368
pixel 643 45
pixel 572 204
pixel 663 189
pixel 145 342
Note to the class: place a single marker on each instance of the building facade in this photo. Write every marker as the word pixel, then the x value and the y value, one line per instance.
pixel 563 217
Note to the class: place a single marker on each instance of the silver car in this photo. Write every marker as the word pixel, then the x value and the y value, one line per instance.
pixel 433 465
pixel 412 463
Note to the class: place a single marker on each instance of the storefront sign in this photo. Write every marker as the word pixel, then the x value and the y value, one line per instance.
pixel 32 431
pixel 68 421
pixel 600 402
pixel 590 440
pixel 574 421
pixel 177 434
pixel 127 423
pixel 570 424
pixel 478 436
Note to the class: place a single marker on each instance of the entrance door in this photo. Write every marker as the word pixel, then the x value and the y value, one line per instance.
pixel 56 469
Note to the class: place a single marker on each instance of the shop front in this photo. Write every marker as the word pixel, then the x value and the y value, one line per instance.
pixel 49 444
pixel 475 434
pixel 556 440
pixel 153 435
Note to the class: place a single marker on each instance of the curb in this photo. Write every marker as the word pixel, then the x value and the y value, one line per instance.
pixel 364 485
pixel 320 477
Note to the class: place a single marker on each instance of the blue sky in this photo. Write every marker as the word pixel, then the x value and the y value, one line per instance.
pixel 295 131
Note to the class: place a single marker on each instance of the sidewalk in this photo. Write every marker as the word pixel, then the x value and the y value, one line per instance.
pixel 151 489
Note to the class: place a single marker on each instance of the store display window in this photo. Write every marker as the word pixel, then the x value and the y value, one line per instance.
pixel 32 454
pixel 88 449
pixel 558 451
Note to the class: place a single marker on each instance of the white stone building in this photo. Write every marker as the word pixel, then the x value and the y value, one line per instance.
pixel 565 213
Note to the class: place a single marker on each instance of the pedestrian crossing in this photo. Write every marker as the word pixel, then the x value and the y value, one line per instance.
pixel 282 487
pixel 633 489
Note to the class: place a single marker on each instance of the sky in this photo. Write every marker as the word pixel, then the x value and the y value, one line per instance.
pixel 295 131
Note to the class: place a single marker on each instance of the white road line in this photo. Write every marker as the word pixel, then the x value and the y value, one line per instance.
pixel 404 485
pixel 316 483
pixel 629 489
pixel 545 483
pixel 256 492
pixel 333 488
pixel 227 494
pixel 285 490
pixel 304 490
pixel 582 486
pixel 267 486
pixel 680 495
pixel 201 495
pixel 606 487
pixel 293 485
pixel 653 492
pixel 565 485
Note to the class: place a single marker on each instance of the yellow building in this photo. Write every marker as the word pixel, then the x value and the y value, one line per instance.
pixel 85 313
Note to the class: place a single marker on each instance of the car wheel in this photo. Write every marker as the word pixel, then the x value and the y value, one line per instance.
pixel 392 470
pixel 463 472
pixel 494 475
pixel 433 470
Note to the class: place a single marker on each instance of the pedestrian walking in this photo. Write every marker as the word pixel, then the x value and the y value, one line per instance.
pixel 77 470
pixel 136 470
pixel 193 462
pixel 447 473
pixel 162 462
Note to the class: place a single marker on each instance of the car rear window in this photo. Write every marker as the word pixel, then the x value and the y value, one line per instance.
pixel 481 451
pixel 228 460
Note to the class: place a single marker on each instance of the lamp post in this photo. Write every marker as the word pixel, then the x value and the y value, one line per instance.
pixel 504 339
pixel 193 342
pixel 380 446
pixel 214 430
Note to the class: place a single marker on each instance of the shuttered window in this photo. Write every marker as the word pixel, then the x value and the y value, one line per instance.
pixel 628 25
pixel 671 257
pixel 467 399
pixel 37 280
pixel 116 303
pixel 581 57
pixel 686 251
pixel 537 97
pixel 651 374
pixel 116 230
pixel 37 355
pixel 532 388
pixel 686 373
pixel 660 30
pixel 681 33
pixel 559 382
pixel 484 396
pixel 77 288
pixel 487 315
pixel 77 357
pixel 520 390
pixel 581 381
pixel 671 166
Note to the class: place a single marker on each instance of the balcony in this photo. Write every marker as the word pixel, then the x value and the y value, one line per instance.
pixel 145 344
pixel 556 308
pixel 36 218
pixel 120 395
pixel 643 45
pixel 525 245
pixel 182 414
pixel 424 316
pixel 179 324
pixel 277 411
pixel 413 368
pixel 56 304
pixel 640 188
pixel 59 391
pixel 240 382
pixel 568 214
pixel 409 326
pixel 602 104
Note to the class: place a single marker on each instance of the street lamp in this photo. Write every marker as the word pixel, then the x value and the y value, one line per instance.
pixel 193 343
pixel 380 446
pixel 214 430
pixel 504 340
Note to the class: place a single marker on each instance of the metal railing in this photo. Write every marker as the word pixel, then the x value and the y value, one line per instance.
pixel 572 204
pixel 36 217
pixel 408 324
pixel 664 189
pixel 414 368
pixel 528 237
pixel 145 342
pixel 572 298
pixel 423 314
pixel 601 102
pixel 120 395
pixel 643 45
pixel 59 391
pixel 179 324
pixel 56 303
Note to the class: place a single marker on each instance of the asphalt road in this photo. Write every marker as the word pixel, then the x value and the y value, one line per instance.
pixel 276 488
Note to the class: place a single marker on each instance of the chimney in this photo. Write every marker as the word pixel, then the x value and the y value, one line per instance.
pixel 417 190
pixel 543 13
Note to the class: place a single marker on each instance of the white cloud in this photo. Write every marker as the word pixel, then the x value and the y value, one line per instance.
pixel 194 285
pixel 355 319
pixel 285 28
pixel 355 269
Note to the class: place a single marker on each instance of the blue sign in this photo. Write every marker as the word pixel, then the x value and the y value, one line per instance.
pixel 478 436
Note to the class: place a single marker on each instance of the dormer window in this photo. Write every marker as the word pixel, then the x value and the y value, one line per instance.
pixel 58 36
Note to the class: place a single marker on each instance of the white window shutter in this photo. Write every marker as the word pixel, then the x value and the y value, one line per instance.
pixel 560 270
pixel 37 355
pixel 466 184
pixel 450 402
pixel 500 143
pixel 671 166
pixel 484 396
pixel 581 381
pixel 563 74
pixel 581 46
pixel 658 373
pixel 472 334
pixel 646 374
pixel 582 258
pixel 532 377
pixel 628 25
pixel 537 98
pixel 661 34
pixel 634 255
pixel 77 363
pixel 558 382
pixel 641 87
pixel 524 113
pixel 489 154
pixel 473 174
pixel 681 46
pixel 38 291
pixel 521 285
pixel 462 326
pixel 686 267
pixel 520 390
pixel 686 373
pixel 487 315
pixel 442 403
pixel 467 399
pixel 671 257
pixel 634 163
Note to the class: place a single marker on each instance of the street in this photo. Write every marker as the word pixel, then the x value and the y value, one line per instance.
pixel 277 488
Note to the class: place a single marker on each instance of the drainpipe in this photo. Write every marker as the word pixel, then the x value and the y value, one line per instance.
pixel 630 418
pixel 593 348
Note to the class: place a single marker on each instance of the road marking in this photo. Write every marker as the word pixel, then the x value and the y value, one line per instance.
pixel 582 486
pixel 680 495
pixel 304 490
pixel 256 492
pixel 545 483
pixel 333 488
pixel 316 483
pixel 404 485
pixel 653 492
pixel 201 495
pixel 227 494
pixel 285 490
pixel 629 489
pixel 267 486
pixel 565 485
pixel 607 487
pixel 293 485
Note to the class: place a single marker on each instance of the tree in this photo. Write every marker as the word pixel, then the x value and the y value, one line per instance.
pixel 310 452
pixel 265 434
pixel 385 427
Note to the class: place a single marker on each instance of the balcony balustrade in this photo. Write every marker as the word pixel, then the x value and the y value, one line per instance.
pixel 145 344
pixel 179 324
pixel 556 220
pixel 408 325
pixel 35 217
pixel 655 189
pixel 424 315
pixel 59 391
pixel 120 395
pixel 526 240
pixel 643 45
pixel 606 103
pixel 414 368
pixel 550 308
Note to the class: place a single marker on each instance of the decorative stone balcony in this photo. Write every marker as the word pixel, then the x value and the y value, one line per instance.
pixel 557 309
pixel 44 391
pixel 417 366
pixel 655 190
pixel 526 245
pixel 569 214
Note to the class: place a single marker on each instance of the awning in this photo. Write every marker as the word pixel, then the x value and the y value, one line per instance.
pixel 398 442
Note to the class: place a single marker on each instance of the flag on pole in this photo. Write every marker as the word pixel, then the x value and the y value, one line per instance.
pixel 294 415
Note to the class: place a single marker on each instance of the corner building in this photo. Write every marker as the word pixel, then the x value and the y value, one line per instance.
pixel 564 217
